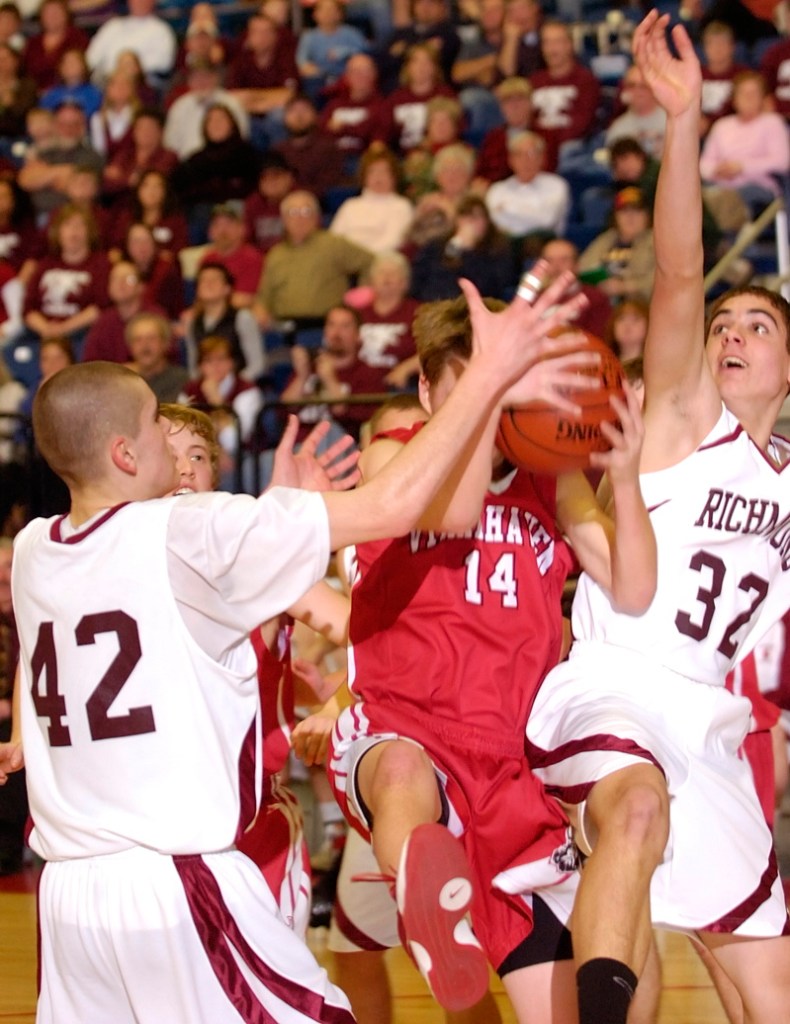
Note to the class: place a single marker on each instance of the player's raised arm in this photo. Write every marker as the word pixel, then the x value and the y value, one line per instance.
pixel 456 443
pixel 681 397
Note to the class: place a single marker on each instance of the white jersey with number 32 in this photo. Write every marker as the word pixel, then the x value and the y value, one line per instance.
pixel 722 522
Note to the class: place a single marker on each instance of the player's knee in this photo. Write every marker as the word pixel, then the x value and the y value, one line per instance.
pixel 402 765
pixel 642 818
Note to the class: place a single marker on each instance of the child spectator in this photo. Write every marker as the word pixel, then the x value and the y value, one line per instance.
pixel 72 83
pixel 214 315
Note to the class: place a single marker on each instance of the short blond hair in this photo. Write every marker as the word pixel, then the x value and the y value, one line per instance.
pixel 200 423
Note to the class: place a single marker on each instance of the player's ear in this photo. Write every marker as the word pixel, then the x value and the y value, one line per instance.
pixel 424 394
pixel 123 456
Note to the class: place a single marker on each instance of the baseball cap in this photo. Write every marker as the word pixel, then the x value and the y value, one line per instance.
pixel 513 86
pixel 631 196
pixel 206 27
pixel 230 208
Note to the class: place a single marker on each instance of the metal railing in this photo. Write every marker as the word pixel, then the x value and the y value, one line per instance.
pixel 748 235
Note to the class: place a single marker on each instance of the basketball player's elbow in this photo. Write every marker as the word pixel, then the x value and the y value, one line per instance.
pixel 635 595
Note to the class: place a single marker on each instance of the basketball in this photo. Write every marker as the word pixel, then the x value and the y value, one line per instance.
pixel 542 439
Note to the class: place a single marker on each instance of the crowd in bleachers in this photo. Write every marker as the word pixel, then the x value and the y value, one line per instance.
pixel 177 175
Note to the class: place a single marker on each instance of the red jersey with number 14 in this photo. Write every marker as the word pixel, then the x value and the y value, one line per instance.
pixel 464 626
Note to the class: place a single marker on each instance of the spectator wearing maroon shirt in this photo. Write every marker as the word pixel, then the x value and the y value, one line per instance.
pixel 311 152
pixel 262 77
pixel 219 386
pixel 521 54
pixel 111 126
pixel 69 288
pixel 227 234
pixel 143 152
pixel 719 67
pixel 21 243
pixel 336 372
pixel 153 204
pixel 407 106
pixel 355 113
pixel 159 271
pixel 562 255
pixel 386 321
pixel 775 67
pixel 515 101
pixel 202 40
pixel 565 95
pixel 57 34
pixel 81 189
pixel 262 208
pixel 106 337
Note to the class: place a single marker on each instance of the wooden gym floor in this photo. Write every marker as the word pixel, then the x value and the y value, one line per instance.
pixel 687 998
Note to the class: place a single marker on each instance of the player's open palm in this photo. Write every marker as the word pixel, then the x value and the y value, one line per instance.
pixel 519 334
pixel 557 378
pixel 676 81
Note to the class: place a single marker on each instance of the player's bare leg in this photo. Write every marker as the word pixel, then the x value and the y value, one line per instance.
pixel 644 1005
pixel 760 971
pixel 433 878
pixel 484 1012
pixel 363 977
pixel 627 824
pixel 728 994
pixel 543 993
pixel 398 784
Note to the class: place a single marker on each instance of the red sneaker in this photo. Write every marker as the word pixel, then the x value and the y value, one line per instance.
pixel 433 893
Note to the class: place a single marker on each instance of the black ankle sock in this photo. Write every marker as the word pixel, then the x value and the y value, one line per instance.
pixel 605 989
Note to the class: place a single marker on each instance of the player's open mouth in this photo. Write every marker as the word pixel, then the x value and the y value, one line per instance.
pixel 184 490
pixel 733 362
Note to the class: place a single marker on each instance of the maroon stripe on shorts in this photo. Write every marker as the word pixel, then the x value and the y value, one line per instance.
pixel 248 807
pixel 218 931
pixel 352 933
pixel 736 917
pixel 540 758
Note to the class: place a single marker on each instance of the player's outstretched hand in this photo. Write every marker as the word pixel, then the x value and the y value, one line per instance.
pixel 557 378
pixel 517 337
pixel 621 462
pixel 676 81
pixel 332 470
pixel 11 760
pixel 310 737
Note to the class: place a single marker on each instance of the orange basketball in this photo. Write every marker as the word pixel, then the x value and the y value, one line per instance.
pixel 543 439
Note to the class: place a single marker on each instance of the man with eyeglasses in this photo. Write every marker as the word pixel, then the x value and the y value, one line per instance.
pixel 309 271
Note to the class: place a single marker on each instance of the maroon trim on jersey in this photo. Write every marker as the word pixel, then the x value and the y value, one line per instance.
pixel 727 439
pixel 736 917
pixel 539 758
pixel 248 807
pixel 223 941
pixel 56 534
pixel 354 934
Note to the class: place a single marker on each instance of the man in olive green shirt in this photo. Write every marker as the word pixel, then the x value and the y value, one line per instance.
pixel 310 271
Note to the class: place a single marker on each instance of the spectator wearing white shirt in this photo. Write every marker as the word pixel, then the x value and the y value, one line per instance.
pixel 379 218
pixel 141 31
pixel 531 200
pixel 184 122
